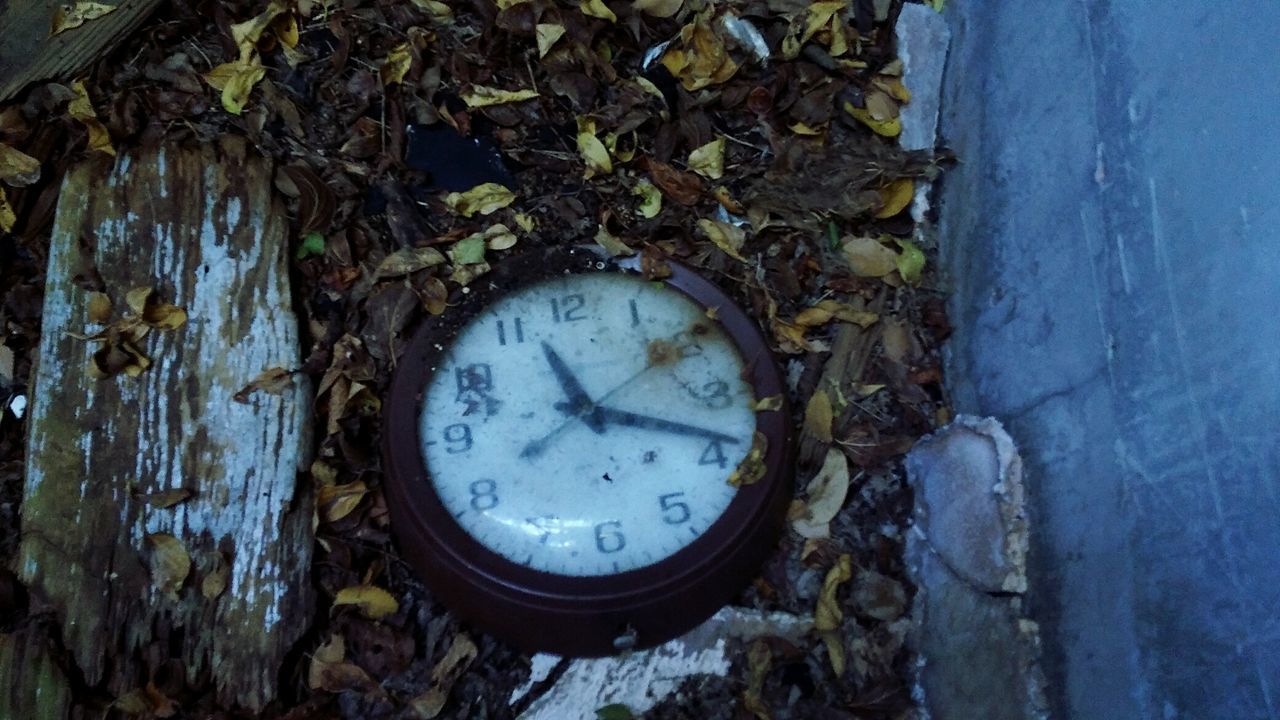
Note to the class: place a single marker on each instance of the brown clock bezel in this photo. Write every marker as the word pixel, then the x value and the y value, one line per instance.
pixel 581 616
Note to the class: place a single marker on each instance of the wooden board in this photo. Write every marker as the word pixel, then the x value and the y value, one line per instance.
pixel 34 685
pixel 28 54
pixel 202 227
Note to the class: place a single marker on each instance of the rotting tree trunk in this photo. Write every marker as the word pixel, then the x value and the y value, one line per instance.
pixel 202 228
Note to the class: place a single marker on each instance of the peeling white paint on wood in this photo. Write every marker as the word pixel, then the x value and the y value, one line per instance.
pixel 643 679
pixel 203 229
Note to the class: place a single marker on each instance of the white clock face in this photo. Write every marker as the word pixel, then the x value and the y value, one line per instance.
pixel 586 425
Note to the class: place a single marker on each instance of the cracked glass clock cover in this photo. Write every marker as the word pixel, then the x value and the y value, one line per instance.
pixel 586 425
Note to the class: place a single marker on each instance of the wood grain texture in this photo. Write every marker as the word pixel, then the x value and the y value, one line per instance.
pixel 28 54
pixel 202 227
pixel 34 685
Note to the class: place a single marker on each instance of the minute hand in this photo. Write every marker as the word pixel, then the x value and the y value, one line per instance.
pixel 647 422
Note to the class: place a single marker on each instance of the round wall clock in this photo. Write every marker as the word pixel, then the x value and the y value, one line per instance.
pixel 574 458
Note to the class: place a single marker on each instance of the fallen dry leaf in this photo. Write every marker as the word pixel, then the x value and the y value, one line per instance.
pixel 818 415
pixel 396 65
pixel 726 236
pixel 480 96
pixel 699 58
pixel 910 262
pixel 827 310
pixel 888 128
pixel 708 160
pixel 7 217
pixel 868 257
pixel 17 168
pixel 462 651
pixel 273 381
pixel 170 563
pixel 338 501
pixel 824 496
pixel 372 600
pixel 759 662
pixel 76 14
pixel 330 653
pixel 593 152
pixel 768 404
pixel 215 582
pixel 99 307
pixel 408 260
pixel 547 35
pixel 597 9
pixel 658 8
pixel 168 498
pixel 486 198
pixel 827 616
pixel 612 243
pixel 81 109
pixel 752 467
pixel 685 188
pixel 895 197
pixel 236 80
pixel 650 199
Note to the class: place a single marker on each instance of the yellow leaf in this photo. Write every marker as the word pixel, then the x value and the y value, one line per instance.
pixel 893 87
pixel 597 9
pixel 612 243
pixel 82 110
pixel 462 651
pixel 372 600
pixel 246 34
pixel 547 34
pixel 759 660
pixel 827 616
pixel 137 299
pixel 593 152
pixel 327 655
pixel 215 583
pixel 827 310
pixel 99 307
pixel 481 96
pixel 700 58
pixel 339 500
pixel 622 151
pixel 17 168
pixel 7 217
pixel 507 4
pixel 484 199
pixel 286 29
pixel 170 563
pixel 769 404
pixel 820 15
pixel 658 8
pixel 818 415
pixel 499 237
pixel 74 15
pixel 826 495
pixel 236 80
pixel 407 260
pixel 273 381
pixel 708 160
pixel 888 128
pixel 727 237
pixel 868 257
pixel 880 105
pixel 752 467
pixel 802 129
pixel 435 8
pixel 650 198
pixel 895 197
pixel 396 65
pixel 525 222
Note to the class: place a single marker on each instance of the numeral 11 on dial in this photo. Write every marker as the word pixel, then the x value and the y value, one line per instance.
pixel 502 331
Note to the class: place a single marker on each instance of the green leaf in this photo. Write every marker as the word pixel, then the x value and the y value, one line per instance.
pixel 910 261
pixel 468 251
pixel 312 246
pixel 616 711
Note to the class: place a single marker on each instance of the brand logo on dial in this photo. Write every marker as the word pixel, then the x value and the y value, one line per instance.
pixel 586 425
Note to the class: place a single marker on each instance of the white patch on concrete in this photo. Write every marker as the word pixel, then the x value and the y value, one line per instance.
pixel 540 667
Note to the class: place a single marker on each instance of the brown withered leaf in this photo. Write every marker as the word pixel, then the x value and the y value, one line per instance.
pixel 408 260
pixel 170 564
pixel 759 662
pixel 17 168
pixel 827 616
pixel 273 381
pixel 683 187
pixel 168 498
pixel 462 651
pixel 316 201
pixel 337 501
pixel 330 653
pixel 73 15
pixel 99 307
pixel 215 581
pixel 752 467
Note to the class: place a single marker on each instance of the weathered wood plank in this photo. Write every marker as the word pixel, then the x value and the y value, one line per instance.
pixel 35 687
pixel 202 227
pixel 28 54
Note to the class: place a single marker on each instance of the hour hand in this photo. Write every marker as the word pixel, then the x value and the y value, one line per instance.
pixel 579 403
pixel 648 422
